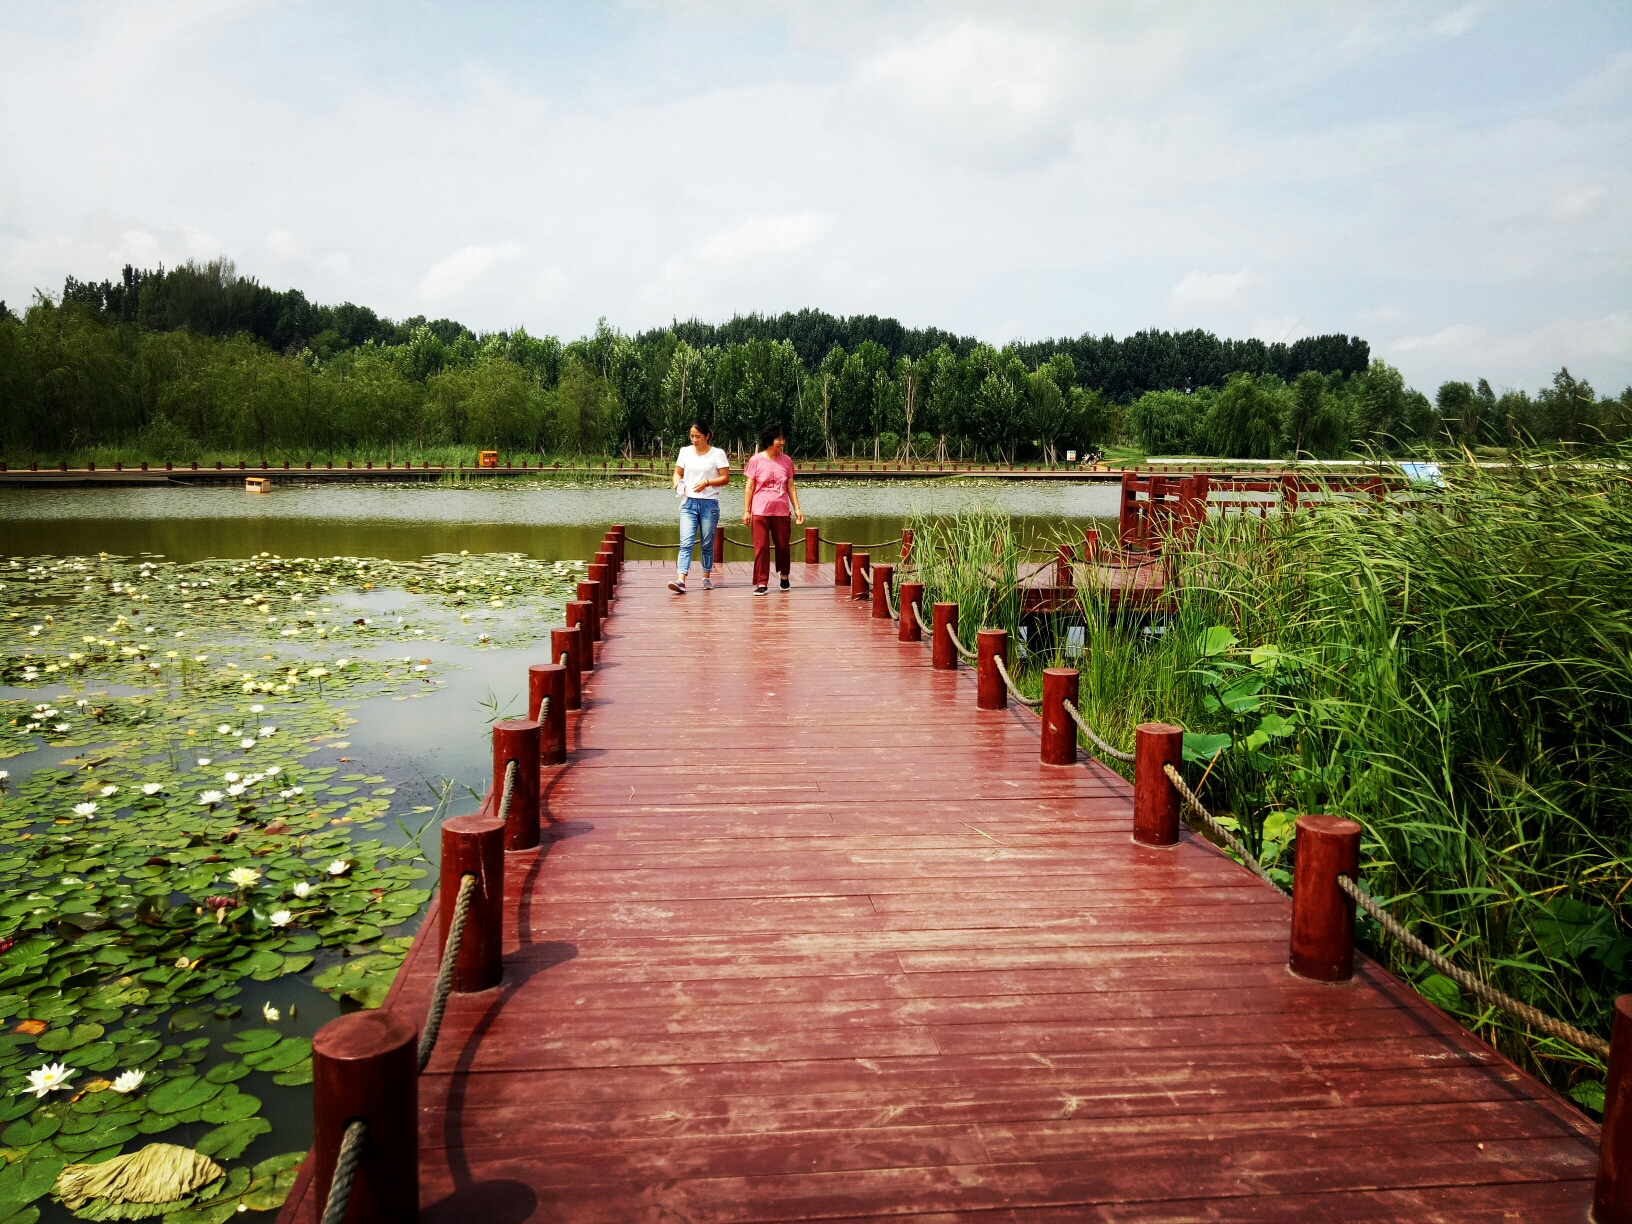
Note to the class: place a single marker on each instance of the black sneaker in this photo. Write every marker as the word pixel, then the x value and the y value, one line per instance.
pixel 678 586
pixel 759 590
pixel 784 584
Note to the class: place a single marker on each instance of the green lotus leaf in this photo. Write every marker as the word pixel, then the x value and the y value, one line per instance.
pixel 69 1038
pixel 273 1179
pixel 228 1142
pixel 27 1133
pixel 226 1073
pixel 96 1140
pixel 282 1056
pixel 183 1093
pixel 186 1020
pixel 300 1073
pixel 252 1039
pixel 230 1106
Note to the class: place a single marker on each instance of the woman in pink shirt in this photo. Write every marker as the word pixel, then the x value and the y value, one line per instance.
pixel 767 502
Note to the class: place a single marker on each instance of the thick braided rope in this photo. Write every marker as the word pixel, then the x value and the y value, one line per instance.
pixel 1218 830
pixel 566 657
pixel 847 567
pixel 867 578
pixel 918 615
pixel 509 790
pixel 648 543
pixel 749 544
pixel 1116 754
pixel 889 602
pixel 862 547
pixel 1479 990
pixel 544 708
pixel 951 632
pixel 345 1168
pixel 1014 691
pixel 444 975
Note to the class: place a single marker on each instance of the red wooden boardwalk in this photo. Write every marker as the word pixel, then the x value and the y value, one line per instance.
pixel 816 939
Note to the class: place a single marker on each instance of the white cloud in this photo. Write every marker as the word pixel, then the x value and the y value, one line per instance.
pixel 458 273
pixel 1198 288
pixel 283 246
pixel 1578 201
pixel 1458 21
pixel 1521 358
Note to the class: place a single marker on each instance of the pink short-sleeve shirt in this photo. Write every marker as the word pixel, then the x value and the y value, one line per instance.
pixel 770 477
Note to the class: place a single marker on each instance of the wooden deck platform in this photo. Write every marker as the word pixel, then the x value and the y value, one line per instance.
pixel 813 938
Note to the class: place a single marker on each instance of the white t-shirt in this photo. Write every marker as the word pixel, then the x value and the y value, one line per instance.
pixel 697 468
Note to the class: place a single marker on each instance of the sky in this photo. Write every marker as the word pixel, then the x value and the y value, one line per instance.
pixel 1451 181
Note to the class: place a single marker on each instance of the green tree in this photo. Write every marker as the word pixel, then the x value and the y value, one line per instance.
pixel 1245 419
pixel 1318 421
pixel 1167 422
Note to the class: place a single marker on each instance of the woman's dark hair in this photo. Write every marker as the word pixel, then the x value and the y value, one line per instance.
pixel 770 434
pixel 701 427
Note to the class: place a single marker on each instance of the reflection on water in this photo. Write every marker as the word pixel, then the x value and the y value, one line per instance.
pixel 407 522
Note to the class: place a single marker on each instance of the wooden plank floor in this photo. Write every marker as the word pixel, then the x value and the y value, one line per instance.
pixel 813 938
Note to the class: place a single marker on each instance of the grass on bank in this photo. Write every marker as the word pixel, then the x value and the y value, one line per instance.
pixel 1453 672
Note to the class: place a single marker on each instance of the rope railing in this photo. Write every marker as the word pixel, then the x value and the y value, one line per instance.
pixel 847 570
pixel 1480 990
pixel 952 632
pixel 647 543
pixel 889 602
pixel 1014 689
pixel 918 615
pixel 863 547
pixel 345 1170
pixel 748 544
pixel 1218 830
pixel 1110 750
pixel 444 975
pixel 867 578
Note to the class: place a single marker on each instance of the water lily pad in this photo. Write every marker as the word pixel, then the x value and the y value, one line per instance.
pixel 186 1020
pixel 251 1040
pixel 97 1139
pixel 226 1073
pixel 228 1011
pixel 70 1038
pixel 230 1106
pixel 300 1073
pixel 26 1133
pixel 273 1179
pixel 183 1093
pixel 282 1056
pixel 228 1142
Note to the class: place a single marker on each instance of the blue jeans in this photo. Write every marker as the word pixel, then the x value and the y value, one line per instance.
pixel 698 517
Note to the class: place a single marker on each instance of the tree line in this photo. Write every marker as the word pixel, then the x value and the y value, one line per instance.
pixel 197 358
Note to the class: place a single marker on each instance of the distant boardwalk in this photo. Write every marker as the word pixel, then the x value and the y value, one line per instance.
pixel 814 938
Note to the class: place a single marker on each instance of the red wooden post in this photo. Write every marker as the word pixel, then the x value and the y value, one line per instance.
pixel 883 580
pixel 813 545
pixel 609 544
pixel 1059 732
pixel 1322 913
pixel 581 612
pixel 604 557
pixel 990 691
pixel 587 593
pixel 943 655
pixel 861 568
pixel 564 642
pixel 1155 802
pixel 906 545
pixel 549 680
pixel 517 739
pixel 620 534
pixel 910 593
pixel 598 573
pixel 365 1067
pixel 1063 558
pixel 1090 545
pixel 1612 1200
pixel 841 565
pixel 719 545
pixel 474 845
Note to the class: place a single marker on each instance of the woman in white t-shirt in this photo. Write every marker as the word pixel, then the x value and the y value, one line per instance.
pixel 700 471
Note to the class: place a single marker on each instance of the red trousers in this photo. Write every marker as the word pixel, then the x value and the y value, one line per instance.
pixel 769 528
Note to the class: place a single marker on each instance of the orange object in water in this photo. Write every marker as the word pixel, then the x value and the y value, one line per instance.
pixel 488 459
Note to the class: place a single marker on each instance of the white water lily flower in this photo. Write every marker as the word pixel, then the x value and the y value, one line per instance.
pixel 211 797
pixel 303 890
pixel 70 881
pixel 109 790
pixel 265 731
pixel 339 867
pixel 62 727
pixel 4 774
pixel 244 877
pixel 182 962
pixel 256 709
pixel 129 1081
pixel 223 729
pixel 286 794
pixel 274 770
pixel 236 789
pixel 203 761
pixel 246 742
pixel 86 810
pixel 42 1080
pixel 318 672
pixel 231 776
pixel 152 788
pixel 270 1013
pixel 282 918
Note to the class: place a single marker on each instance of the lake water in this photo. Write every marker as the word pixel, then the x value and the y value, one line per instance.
pixel 541 519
